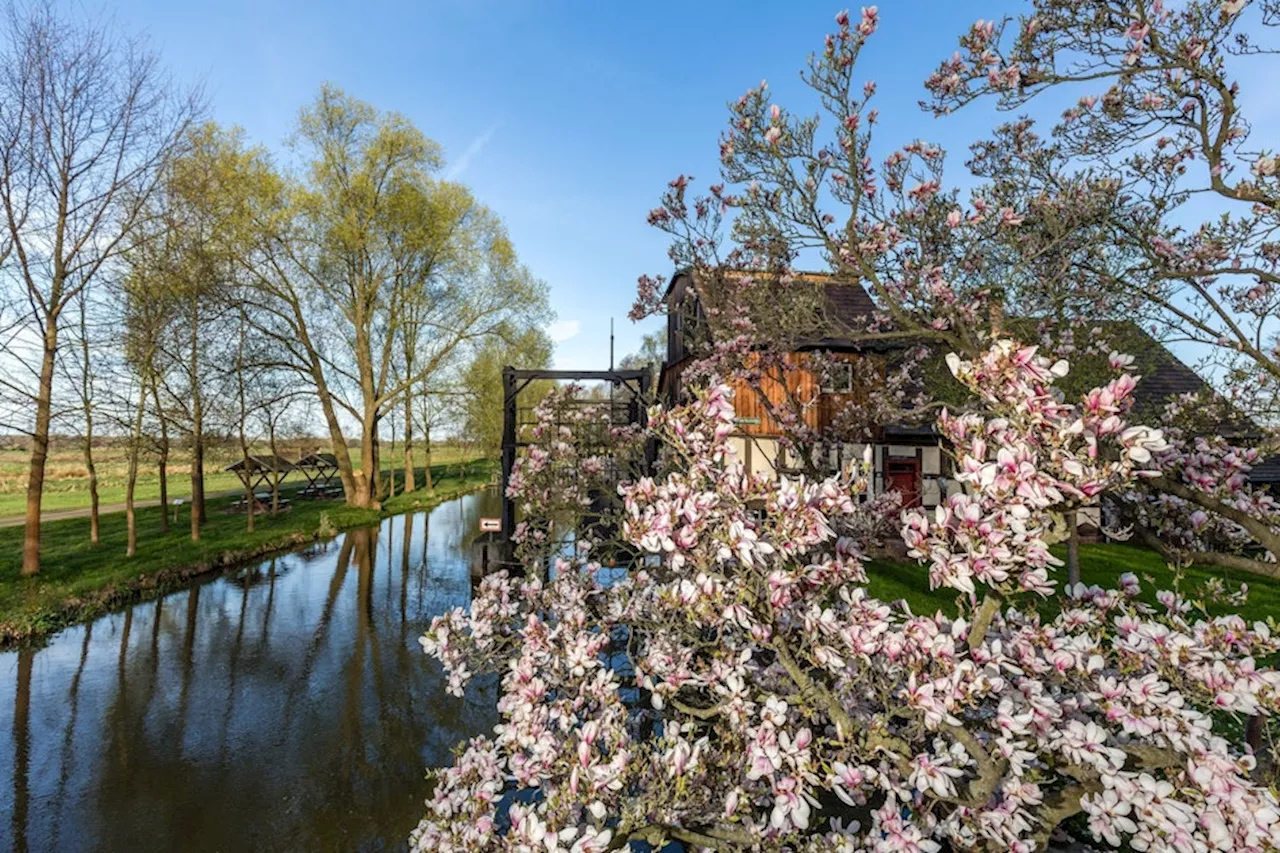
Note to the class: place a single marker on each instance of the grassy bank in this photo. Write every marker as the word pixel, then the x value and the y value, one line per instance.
pixel 79 580
pixel 1100 564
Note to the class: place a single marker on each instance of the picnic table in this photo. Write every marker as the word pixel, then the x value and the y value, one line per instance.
pixel 320 492
pixel 261 503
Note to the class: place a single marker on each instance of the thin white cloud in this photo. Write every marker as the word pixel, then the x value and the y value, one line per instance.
pixel 472 151
pixel 562 330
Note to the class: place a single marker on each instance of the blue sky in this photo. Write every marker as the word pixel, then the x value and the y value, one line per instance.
pixel 567 118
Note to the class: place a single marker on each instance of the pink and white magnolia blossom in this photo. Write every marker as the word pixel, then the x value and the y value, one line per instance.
pixel 1033 455
pixel 741 689
pixel 1199 466
pixel 574 452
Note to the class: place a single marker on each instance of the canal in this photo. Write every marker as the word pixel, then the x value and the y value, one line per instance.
pixel 283 707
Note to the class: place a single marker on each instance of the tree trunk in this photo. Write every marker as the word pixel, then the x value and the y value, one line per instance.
pixel 197 475
pixel 391 466
pixel 376 487
pixel 1073 548
pixel 131 483
pixel 162 465
pixel 39 452
pixel 249 499
pixel 426 461
pixel 275 477
pixel 351 485
pixel 248 474
pixel 366 486
pixel 410 476
pixel 86 400
pixel 93 479
pixel 198 514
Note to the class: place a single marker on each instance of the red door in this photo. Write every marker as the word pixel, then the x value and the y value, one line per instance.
pixel 903 476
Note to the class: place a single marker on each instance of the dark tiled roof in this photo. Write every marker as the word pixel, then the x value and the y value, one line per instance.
pixel 1267 472
pixel 262 462
pixel 848 303
pixel 1165 377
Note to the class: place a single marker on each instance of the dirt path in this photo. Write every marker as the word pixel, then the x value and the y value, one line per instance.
pixel 83 512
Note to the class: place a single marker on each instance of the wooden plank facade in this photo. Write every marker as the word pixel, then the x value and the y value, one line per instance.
pixel 802 381
pixel 907 461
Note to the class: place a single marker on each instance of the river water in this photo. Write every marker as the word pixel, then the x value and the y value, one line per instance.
pixel 284 707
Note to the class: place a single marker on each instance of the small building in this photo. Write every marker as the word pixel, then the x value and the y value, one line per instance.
pixel 907 458
pixel 321 473
pixel 262 471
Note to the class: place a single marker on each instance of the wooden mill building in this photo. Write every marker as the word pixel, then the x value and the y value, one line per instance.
pixel 907 458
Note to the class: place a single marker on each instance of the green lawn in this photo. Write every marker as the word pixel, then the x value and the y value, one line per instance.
pixel 74 493
pixel 79 580
pixel 67 486
pixel 1100 564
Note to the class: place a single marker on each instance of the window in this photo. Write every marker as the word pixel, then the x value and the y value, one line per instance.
pixel 837 378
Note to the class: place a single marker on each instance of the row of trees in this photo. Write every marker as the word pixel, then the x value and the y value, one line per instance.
pixel 164 278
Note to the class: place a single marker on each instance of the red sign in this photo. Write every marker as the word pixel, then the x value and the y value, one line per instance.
pixel 490 525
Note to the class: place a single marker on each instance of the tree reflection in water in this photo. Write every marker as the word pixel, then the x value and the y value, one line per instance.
pixel 284 707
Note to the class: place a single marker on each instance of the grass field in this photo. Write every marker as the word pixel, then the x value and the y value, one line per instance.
pixel 79 580
pixel 67 479
pixel 1100 564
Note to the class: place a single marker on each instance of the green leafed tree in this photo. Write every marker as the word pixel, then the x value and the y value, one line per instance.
pixel 374 275
pixel 482 382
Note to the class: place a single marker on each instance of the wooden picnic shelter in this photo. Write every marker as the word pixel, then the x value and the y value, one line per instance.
pixel 321 472
pixel 258 471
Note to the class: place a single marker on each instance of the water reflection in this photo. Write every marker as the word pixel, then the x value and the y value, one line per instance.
pixel 285 707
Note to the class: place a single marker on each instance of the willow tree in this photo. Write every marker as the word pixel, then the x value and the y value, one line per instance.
pixel 438 247
pixel 366 256
pixel 194 231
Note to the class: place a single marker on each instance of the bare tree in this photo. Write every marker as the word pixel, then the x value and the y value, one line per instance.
pixel 145 315
pixel 87 119
pixel 80 372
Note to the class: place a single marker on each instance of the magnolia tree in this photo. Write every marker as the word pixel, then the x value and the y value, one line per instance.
pixel 741 688
pixel 1156 138
pixel 1200 466
pixel 1155 130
